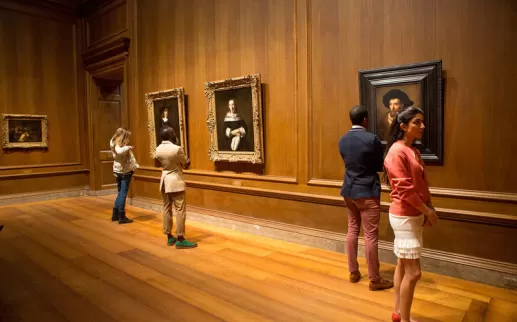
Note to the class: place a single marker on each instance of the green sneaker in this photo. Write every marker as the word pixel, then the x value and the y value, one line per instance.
pixel 185 244
pixel 171 241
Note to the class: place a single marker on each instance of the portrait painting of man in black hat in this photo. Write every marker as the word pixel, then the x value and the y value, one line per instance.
pixel 166 115
pixel 392 102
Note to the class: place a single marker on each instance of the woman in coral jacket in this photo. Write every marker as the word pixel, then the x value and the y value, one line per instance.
pixel 411 207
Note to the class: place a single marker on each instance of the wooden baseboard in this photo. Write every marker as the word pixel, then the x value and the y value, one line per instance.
pixel 476 269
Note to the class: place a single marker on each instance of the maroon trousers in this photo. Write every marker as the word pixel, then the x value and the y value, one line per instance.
pixel 367 211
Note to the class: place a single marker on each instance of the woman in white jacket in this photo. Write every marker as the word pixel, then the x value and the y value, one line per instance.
pixel 123 167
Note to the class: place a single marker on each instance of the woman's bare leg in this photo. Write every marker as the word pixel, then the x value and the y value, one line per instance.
pixel 412 274
pixel 399 275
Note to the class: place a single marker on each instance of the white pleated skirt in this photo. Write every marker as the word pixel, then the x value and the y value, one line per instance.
pixel 408 236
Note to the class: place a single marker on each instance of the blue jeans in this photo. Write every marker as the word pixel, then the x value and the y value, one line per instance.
pixel 123 181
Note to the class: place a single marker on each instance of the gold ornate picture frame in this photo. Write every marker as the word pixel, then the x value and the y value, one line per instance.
pixel 166 108
pixel 24 131
pixel 235 119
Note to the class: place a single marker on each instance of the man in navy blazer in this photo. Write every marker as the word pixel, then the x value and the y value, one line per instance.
pixel 363 155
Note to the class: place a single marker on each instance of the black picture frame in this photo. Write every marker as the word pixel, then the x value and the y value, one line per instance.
pixel 427 77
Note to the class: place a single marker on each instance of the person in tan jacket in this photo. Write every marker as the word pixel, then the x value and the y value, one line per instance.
pixel 172 185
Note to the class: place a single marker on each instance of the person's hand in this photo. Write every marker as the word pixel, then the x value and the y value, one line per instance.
pixel 426 222
pixel 234 132
pixel 432 217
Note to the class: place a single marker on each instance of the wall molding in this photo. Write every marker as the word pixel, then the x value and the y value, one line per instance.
pixel 95 12
pixel 99 7
pixel 444 213
pixel 106 40
pixel 16 176
pixel 111 55
pixel 436 192
pixel 52 195
pixel 36 166
pixel 44 9
pixel 476 269
pixel 289 180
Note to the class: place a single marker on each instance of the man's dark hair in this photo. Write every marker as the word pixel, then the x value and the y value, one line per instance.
pixel 167 134
pixel 357 114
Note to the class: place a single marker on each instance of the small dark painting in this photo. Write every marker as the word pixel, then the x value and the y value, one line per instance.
pixel 25 131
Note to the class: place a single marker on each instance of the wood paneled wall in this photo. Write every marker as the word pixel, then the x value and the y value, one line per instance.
pixel 308 53
pixel 105 22
pixel 40 74
pixel 474 40
pixel 212 40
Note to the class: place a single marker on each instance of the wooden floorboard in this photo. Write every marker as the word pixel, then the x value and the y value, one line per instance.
pixel 64 260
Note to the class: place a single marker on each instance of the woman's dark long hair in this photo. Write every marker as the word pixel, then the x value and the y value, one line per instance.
pixel 395 133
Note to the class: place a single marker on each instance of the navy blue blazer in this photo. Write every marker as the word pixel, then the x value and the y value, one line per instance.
pixel 363 155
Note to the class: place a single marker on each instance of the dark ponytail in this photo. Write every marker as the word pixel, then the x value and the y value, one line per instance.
pixel 395 133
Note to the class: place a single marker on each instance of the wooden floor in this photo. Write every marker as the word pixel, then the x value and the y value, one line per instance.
pixel 65 260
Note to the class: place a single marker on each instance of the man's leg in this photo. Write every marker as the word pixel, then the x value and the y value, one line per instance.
pixel 370 213
pixel 354 224
pixel 167 217
pixel 180 207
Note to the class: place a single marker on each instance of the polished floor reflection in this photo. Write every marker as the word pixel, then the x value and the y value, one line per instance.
pixel 64 260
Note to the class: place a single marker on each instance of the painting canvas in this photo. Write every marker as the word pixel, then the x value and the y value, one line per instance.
pixel 166 108
pixel 234 112
pixel 24 131
pixel 391 99
pixel 235 119
pixel 385 91
pixel 166 115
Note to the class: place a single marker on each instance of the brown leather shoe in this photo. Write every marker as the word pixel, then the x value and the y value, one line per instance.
pixel 380 284
pixel 355 277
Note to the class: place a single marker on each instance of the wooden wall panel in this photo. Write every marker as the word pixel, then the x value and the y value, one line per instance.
pixel 467 238
pixel 39 75
pixel 340 45
pixel 479 58
pixel 45 182
pixel 473 38
pixel 207 41
pixel 309 53
pixel 108 22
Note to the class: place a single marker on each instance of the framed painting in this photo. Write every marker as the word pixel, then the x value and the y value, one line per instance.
pixel 385 91
pixel 166 108
pixel 235 119
pixel 22 131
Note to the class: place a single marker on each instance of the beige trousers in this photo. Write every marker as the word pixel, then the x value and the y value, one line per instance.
pixel 176 199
